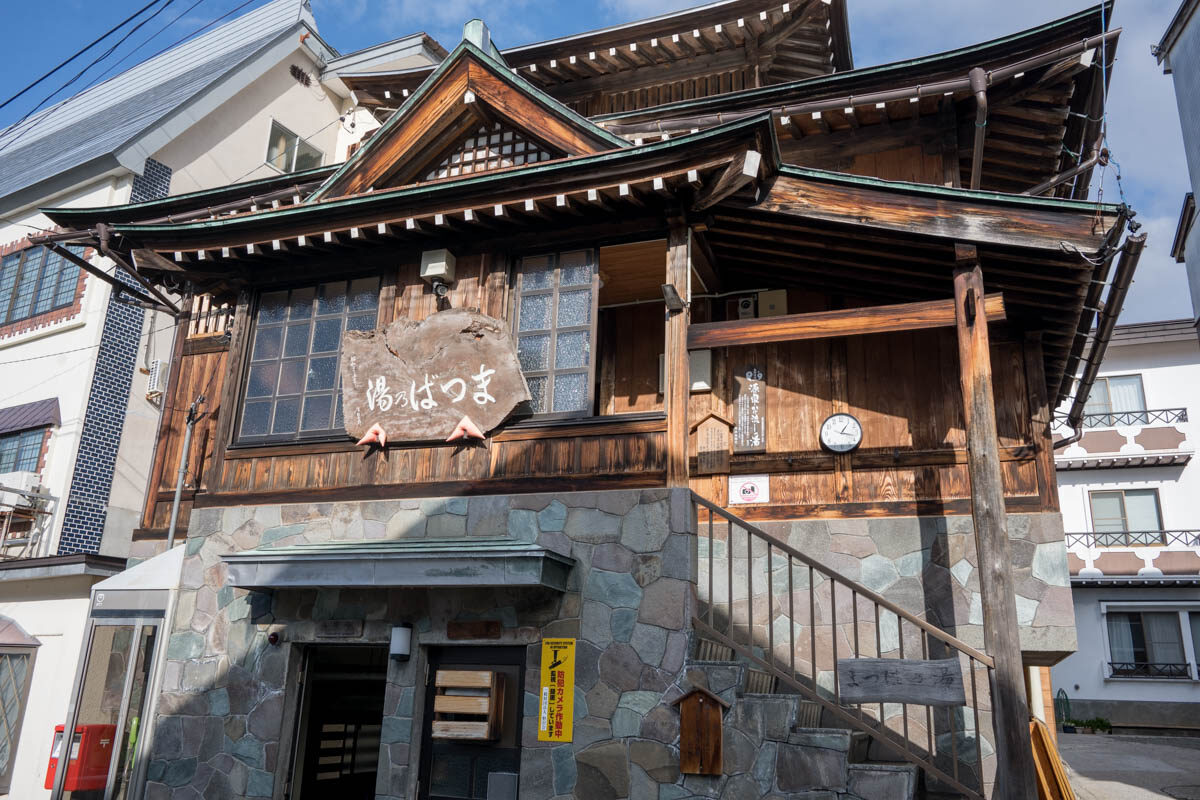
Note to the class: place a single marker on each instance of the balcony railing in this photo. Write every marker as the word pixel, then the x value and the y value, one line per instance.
pixel 1134 539
pixel 1115 419
pixel 1141 669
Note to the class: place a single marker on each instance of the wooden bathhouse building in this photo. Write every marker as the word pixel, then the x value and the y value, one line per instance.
pixel 655 412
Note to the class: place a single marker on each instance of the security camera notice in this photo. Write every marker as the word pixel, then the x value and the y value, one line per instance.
pixel 557 707
pixel 455 372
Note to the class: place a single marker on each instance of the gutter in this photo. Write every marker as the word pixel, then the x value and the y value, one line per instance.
pixel 1131 251
pixel 103 232
pixel 920 90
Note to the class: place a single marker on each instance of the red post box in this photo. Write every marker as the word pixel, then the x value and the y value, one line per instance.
pixel 87 763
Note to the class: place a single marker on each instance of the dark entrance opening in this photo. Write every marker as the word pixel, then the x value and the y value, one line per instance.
pixel 461 770
pixel 340 720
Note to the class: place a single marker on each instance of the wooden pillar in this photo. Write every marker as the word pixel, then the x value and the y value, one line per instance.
pixel 1010 711
pixel 678 381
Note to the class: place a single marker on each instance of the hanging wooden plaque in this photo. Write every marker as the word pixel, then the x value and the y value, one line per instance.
pixel 713 442
pixel 750 409
pixel 419 380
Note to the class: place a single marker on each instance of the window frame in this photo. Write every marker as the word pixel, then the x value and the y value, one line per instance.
pixel 1092 493
pixel 1185 611
pixel 519 292
pixel 39 433
pixel 23 258
pixel 293 145
pixel 23 695
pixel 1108 411
pixel 236 439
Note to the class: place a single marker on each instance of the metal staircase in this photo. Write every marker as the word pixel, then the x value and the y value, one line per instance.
pixel 794 618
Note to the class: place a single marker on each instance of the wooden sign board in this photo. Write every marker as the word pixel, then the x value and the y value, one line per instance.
pixel 713 442
pixel 417 380
pixel 892 680
pixel 750 409
pixel 700 733
pixel 468 705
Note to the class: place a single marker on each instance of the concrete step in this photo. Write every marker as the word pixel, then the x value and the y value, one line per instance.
pixel 881 782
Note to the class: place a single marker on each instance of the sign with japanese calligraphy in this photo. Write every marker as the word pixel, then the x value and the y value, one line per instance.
pixel 421 381
pixel 556 703
pixel 750 409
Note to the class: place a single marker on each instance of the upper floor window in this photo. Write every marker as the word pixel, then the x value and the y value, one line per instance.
pixel 36 280
pixel 293 388
pixel 20 452
pixel 1122 510
pixel 287 152
pixel 556 330
pixel 1114 400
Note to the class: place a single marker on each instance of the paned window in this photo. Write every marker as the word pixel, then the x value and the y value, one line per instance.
pixel 556 330
pixel 1147 644
pixel 1123 510
pixel 19 452
pixel 287 152
pixel 36 280
pixel 1114 400
pixel 490 147
pixel 293 388
pixel 15 672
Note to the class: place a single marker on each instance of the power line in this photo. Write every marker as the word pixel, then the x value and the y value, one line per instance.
pixel 77 76
pixel 148 40
pixel 78 53
pixel 147 335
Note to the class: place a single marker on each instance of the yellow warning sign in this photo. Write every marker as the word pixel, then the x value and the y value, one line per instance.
pixel 557 701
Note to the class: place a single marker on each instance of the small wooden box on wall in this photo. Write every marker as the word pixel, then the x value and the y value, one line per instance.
pixel 700 737
pixel 468 706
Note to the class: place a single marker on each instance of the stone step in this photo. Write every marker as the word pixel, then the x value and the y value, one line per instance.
pixel 813 758
pixel 881 782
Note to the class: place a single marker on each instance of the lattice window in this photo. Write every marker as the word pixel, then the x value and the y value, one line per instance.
pixel 487 149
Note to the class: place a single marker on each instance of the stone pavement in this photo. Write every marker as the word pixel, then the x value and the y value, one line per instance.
pixel 1132 767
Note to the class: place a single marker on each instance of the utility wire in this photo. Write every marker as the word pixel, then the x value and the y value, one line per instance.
pixel 78 53
pixel 77 76
pixel 148 40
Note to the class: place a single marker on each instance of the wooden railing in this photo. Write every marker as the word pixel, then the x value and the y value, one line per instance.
pixel 796 618
pixel 209 318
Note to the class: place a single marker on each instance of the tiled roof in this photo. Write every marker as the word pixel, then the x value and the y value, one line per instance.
pixel 100 121
pixel 29 415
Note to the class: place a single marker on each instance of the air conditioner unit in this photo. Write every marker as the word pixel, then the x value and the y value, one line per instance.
pixel 12 484
pixel 157 383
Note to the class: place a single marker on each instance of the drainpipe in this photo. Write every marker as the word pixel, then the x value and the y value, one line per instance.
pixel 979 84
pixel 1099 156
pixel 192 418
pixel 1131 251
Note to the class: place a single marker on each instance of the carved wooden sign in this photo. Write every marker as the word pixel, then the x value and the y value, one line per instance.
pixel 712 444
pixel 750 409
pixel 892 680
pixel 455 371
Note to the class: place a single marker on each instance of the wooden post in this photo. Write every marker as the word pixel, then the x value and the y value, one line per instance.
pixel 678 381
pixel 1010 710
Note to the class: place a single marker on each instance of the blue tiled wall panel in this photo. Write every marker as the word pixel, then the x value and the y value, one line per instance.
pixel 116 359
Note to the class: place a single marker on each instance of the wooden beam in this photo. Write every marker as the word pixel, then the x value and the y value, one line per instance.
pixel 678 382
pixel 1015 767
pixel 826 324
pixel 741 171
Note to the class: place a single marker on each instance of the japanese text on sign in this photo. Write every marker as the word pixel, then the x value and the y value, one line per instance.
pixel 557 706
pixel 750 405
pixel 419 396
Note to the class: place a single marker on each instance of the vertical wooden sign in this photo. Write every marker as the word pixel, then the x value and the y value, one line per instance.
pixel 712 444
pixel 750 409
pixel 700 739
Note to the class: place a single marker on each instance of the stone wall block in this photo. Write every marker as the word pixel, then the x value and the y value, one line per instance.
pixel 667 604
pixel 553 517
pixel 615 589
pixel 613 557
pixel 649 642
pixel 646 527
pixel 603 771
pixel 592 526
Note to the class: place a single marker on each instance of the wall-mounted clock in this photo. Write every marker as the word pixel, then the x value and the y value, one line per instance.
pixel 841 433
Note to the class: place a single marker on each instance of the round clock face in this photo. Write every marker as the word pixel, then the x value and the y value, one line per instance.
pixel 841 433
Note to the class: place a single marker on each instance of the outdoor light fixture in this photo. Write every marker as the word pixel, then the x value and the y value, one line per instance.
pixel 671 297
pixel 401 646
pixel 437 265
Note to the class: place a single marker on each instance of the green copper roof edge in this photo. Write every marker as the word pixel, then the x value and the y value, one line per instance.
pixel 837 77
pixel 500 70
pixel 175 198
pixel 946 191
pixel 478 179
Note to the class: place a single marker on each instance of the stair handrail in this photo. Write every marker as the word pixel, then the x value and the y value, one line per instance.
pixel 877 729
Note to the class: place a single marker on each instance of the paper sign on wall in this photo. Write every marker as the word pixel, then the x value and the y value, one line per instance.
pixel 749 489
pixel 556 711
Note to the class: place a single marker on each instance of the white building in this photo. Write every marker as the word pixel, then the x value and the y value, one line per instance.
pixel 1130 496
pixel 81 366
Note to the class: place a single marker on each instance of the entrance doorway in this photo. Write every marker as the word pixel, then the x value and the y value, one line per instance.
pixel 340 720
pixel 463 769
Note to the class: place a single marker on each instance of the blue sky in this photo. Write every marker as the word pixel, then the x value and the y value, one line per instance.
pixel 1143 122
